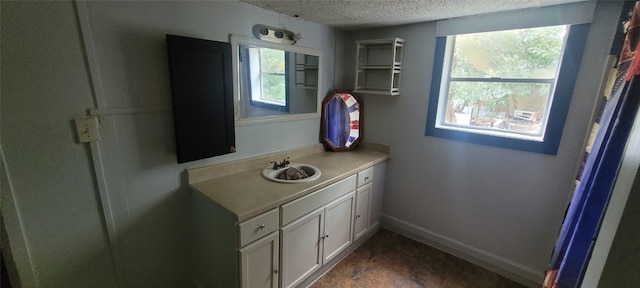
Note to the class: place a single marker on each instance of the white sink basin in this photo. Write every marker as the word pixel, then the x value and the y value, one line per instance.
pixel 312 171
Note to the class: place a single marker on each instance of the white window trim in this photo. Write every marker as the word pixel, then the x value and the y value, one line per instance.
pixel 256 74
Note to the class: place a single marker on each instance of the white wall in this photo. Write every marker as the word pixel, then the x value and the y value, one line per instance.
pixel 493 202
pixel 498 207
pixel 47 81
pixel 49 176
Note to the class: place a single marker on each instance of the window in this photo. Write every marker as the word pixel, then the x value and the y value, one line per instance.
pixel 270 70
pixel 509 88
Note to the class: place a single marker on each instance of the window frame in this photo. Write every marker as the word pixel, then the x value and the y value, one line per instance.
pixel 557 112
pixel 255 71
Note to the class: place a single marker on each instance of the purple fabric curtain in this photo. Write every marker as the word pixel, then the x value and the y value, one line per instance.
pixel 591 197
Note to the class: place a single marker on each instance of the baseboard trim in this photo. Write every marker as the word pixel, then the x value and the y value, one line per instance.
pixel 505 267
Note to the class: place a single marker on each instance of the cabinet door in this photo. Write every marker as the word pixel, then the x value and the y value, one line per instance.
pixel 202 93
pixel 301 248
pixel 259 262
pixel 363 204
pixel 338 226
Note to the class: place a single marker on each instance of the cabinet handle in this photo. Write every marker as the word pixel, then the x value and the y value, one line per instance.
pixel 275 271
pixel 357 216
pixel 261 227
pixel 326 236
pixel 366 178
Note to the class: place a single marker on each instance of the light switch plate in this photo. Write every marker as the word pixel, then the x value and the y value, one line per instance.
pixel 88 129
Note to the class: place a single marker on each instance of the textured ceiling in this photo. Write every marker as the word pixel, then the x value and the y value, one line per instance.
pixel 361 14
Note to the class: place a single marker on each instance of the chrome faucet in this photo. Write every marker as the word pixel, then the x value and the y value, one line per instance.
pixel 282 164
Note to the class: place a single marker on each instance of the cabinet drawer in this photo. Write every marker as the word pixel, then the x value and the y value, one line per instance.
pixel 365 176
pixel 257 227
pixel 300 207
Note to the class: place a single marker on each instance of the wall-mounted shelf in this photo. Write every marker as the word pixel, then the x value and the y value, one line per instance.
pixel 378 66
pixel 306 71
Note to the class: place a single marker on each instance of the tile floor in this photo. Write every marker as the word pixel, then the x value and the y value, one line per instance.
pixel 391 260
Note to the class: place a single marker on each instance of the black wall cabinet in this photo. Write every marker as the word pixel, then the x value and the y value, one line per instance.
pixel 202 92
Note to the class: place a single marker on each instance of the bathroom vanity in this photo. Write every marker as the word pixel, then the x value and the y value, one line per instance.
pixel 252 232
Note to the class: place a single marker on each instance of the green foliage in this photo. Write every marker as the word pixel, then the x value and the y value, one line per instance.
pixel 273 75
pixel 272 61
pixel 273 88
pixel 524 53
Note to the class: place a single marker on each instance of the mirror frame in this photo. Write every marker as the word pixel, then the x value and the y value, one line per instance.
pixel 236 41
pixel 324 123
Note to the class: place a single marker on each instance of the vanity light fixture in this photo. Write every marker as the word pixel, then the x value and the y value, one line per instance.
pixel 277 35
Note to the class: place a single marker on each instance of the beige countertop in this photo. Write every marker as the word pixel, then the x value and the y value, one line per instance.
pixel 248 194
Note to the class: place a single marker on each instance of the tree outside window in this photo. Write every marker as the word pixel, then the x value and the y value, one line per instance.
pixel 273 76
pixel 501 81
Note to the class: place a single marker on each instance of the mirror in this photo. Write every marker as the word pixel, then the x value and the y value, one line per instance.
pixel 274 82
pixel 341 124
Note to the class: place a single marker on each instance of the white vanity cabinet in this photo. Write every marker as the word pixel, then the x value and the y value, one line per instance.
pixel 259 260
pixel 313 239
pixel 231 254
pixel 292 243
pixel 259 263
pixel 337 227
pixel 363 203
pixel 302 248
